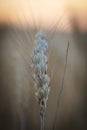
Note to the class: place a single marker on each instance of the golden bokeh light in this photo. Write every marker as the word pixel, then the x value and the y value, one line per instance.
pixel 44 13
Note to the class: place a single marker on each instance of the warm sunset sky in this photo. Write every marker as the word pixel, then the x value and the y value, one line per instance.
pixel 44 13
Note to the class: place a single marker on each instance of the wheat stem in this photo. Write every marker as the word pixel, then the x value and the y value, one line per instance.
pixel 42 116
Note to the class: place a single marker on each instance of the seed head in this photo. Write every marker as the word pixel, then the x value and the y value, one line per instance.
pixel 40 66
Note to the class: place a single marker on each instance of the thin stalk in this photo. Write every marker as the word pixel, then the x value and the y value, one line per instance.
pixel 42 121
pixel 61 87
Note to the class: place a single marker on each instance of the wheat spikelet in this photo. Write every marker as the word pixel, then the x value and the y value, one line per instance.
pixel 40 66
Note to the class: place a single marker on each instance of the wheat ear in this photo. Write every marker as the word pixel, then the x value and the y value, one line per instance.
pixel 41 79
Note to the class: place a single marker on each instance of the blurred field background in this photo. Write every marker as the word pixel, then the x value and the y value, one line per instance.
pixel 62 21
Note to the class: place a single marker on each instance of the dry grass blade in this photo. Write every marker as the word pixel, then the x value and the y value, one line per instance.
pixel 61 87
